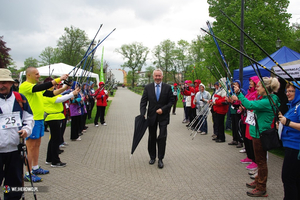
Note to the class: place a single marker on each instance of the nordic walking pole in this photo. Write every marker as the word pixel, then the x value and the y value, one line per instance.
pixel 203 119
pixel 259 47
pixel 219 49
pixel 92 42
pixel 245 55
pixel 92 50
pixel 23 150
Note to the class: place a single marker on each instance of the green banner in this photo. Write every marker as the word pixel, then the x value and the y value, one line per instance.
pixel 101 68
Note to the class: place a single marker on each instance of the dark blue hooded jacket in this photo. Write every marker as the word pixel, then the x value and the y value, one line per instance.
pixel 291 137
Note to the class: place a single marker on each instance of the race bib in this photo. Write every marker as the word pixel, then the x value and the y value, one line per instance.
pixel 250 118
pixel 10 120
pixel 175 93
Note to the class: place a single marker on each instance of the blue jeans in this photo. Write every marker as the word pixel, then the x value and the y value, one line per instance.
pixel 204 125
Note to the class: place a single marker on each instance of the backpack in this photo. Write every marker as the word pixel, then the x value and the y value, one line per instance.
pixel 19 99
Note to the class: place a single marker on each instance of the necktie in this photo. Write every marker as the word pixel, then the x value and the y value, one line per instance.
pixel 157 92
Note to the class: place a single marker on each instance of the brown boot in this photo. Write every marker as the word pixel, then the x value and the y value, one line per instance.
pixel 251 185
pixel 257 193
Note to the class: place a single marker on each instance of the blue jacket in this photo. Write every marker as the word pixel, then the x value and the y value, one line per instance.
pixel 291 137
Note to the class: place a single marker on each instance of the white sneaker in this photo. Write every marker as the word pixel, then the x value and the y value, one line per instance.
pixel 243 151
pixel 62 146
pixel 78 139
pixel 96 125
pixel 203 133
pixel 253 176
pixel 48 163
pixel 104 124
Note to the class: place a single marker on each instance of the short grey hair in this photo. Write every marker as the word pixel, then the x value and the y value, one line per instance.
pixel 162 73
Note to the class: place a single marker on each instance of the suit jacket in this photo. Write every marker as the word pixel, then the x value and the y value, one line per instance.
pixel 165 102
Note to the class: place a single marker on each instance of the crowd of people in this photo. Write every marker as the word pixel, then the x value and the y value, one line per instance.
pixel 28 108
pixel 25 108
pixel 251 113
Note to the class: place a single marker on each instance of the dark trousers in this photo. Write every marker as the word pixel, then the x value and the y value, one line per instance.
pixel 228 119
pixel 91 106
pixel 174 106
pixel 75 126
pixel 248 143
pixel 83 122
pixel 291 174
pixel 187 113
pixel 235 120
pixel 219 123
pixel 11 169
pixel 215 127
pixel 203 121
pixel 62 129
pixel 261 161
pixel 54 142
pixel 100 113
pixel 160 140
pixel 192 115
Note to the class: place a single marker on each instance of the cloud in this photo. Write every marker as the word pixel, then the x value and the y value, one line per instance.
pixel 30 26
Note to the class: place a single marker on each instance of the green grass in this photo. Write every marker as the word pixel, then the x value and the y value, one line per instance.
pixel 94 111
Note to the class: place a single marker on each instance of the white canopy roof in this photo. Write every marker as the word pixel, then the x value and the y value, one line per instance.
pixel 59 69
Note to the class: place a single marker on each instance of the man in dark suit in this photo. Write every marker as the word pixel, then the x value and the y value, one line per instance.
pixel 160 98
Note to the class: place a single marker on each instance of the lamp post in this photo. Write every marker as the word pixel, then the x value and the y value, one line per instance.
pixel 278 43
pixel 242 44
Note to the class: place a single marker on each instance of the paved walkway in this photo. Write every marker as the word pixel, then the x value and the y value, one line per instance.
pixel 99 166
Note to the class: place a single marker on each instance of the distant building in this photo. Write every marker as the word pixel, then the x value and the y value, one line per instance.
pixel 118 75
pixel 143 78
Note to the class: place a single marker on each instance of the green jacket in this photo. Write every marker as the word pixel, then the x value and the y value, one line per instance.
pixel 263 111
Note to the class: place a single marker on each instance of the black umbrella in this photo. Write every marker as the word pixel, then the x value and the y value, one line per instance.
pixel 140 126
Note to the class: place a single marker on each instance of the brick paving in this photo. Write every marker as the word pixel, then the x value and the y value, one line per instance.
pixel 100 167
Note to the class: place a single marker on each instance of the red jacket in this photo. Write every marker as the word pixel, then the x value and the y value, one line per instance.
pixel 190 92
pixel 220 107
pixel 101 97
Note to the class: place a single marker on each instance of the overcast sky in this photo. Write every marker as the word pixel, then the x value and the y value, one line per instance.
pixel 30 26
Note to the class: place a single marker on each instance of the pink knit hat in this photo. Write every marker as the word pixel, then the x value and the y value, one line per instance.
pixel 255 79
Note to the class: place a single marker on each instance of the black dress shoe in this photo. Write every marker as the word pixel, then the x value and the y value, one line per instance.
pixel 219 140
pixel 160 164
pixel 215 138
pixel 152 161
pixel 60 151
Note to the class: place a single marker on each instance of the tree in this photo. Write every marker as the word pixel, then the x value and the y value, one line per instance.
pixel 197 55
pixel 5 59
pixel 72 45
pixel 30 62
pixel 136 56
pixel 181 61
pixel 49 56
pixel 149 73
pixel 164 54
pixel 13 69
pixel 294 42
pixel 264 21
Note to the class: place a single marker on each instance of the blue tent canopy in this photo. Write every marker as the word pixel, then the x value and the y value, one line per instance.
pixel 283 55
